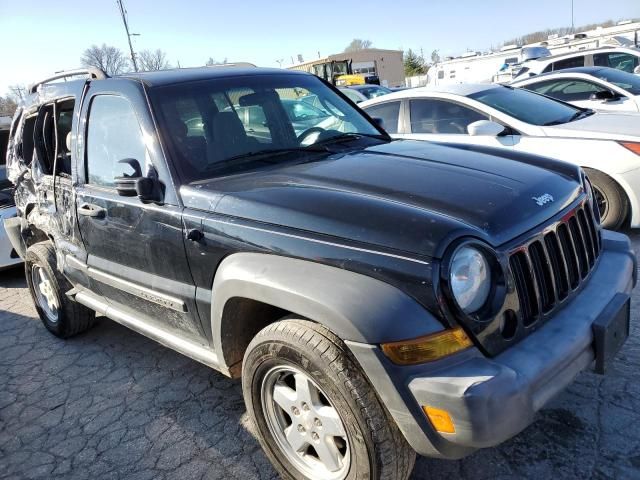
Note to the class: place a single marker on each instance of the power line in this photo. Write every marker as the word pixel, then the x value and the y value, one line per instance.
pixel 123 12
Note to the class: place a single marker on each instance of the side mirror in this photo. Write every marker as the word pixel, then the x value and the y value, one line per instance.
pixel 605 95
pixel 378 121
pixel 637 70
pixel 485 128
pixel 145 188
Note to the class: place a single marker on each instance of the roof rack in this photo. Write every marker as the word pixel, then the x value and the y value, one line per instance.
pixel 92 72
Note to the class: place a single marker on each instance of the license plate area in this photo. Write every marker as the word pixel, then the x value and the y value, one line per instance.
pixel 611 330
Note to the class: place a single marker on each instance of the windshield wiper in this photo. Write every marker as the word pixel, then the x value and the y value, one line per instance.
pixel 576 116
pixel 269 153
pixel 345 137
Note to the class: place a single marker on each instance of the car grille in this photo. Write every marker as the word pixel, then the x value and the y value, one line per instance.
pixel 554 264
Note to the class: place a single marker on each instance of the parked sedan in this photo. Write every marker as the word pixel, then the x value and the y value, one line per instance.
pixel 606 145
pixel 599 88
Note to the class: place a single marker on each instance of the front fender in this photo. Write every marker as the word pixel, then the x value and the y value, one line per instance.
pixel 353 306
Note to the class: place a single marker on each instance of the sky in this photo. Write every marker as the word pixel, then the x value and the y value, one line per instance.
pixel 43 36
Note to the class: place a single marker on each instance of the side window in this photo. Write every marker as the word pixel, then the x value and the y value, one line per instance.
pixel 566 90
pixel 113 135
pixel 617 60
pixel 441 116
pixel 44 138
pixel 569 63
pixel 64 120
pixel 388 112
pixel 548 68
pixel 27 139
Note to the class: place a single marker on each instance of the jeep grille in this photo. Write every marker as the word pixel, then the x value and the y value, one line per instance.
pixel 552 266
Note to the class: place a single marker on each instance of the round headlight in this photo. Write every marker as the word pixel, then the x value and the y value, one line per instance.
pixel 470 278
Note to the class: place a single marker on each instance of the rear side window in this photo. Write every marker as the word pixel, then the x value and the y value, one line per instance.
pixel 114 134
pixel 441 116
pixel 569 63
pixel 388 112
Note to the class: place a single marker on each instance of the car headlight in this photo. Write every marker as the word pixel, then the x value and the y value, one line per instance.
pixel 470 278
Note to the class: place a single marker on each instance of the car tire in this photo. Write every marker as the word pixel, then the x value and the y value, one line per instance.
pixel 610 198
pixel 61 316
pixel 344 432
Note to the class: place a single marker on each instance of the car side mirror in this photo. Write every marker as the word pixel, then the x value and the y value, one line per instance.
pixel 605 95
pixel 378 121
pixel 485 128
pixel 637 70
pixel 146 188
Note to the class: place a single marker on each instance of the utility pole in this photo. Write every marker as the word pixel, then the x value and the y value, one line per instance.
pixel 123 12
pixel 573 30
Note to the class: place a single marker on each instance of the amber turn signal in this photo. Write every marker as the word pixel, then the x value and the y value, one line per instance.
pixel 633 146
pixel 440 419
pixel 428 348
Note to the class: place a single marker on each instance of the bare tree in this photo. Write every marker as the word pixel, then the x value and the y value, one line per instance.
pixel 7 106
pixel 212 62
pixel 153 60
pixel 110 59
pixel 18 92
pixel 358 44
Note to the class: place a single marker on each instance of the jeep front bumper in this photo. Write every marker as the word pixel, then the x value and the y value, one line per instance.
pixel 492 399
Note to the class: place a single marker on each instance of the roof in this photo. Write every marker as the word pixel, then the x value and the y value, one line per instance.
pixel 584 52
pixel 562 73
pixel 462 89
pixel 179 75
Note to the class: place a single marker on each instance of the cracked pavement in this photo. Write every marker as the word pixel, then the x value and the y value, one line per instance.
pixel 112 404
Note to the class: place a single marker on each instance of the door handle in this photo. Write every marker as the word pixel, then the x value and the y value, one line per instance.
pixel 90 210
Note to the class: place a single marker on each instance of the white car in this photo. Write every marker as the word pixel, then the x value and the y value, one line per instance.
pixel 620 58
pixel 606 145
pixel 599 88
pixel 7 205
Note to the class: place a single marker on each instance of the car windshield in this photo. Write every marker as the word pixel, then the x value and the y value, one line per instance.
pixel 373 92
pixel 625 80
pixel 219 125
pixel 527 106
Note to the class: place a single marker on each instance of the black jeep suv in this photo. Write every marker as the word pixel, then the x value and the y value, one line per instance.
pixel 377 297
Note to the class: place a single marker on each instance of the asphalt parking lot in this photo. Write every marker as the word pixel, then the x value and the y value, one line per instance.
pixel 112 404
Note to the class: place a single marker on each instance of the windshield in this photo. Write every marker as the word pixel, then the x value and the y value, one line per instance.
pixel 210 124
pixel 526 106
pixel 373 92
pixel 626 81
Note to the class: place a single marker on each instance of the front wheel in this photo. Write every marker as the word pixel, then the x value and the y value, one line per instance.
pixel 316 413
pixel 610 198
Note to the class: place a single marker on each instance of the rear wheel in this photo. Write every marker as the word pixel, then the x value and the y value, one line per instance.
pixel 612 202
pixel 316 413
pixel 62 316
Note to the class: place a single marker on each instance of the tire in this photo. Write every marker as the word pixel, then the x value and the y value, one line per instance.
pixel 611 199
pixel 61 316
pixel 287 356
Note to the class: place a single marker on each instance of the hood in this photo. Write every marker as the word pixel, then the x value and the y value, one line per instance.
pixel 405 195
pixel 612 126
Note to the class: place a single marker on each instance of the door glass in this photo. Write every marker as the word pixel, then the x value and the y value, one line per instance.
pixel 440 116
pixel 113 135
pixel 566 90
pixel 388 112
pixel 569 63
pixel 618 60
